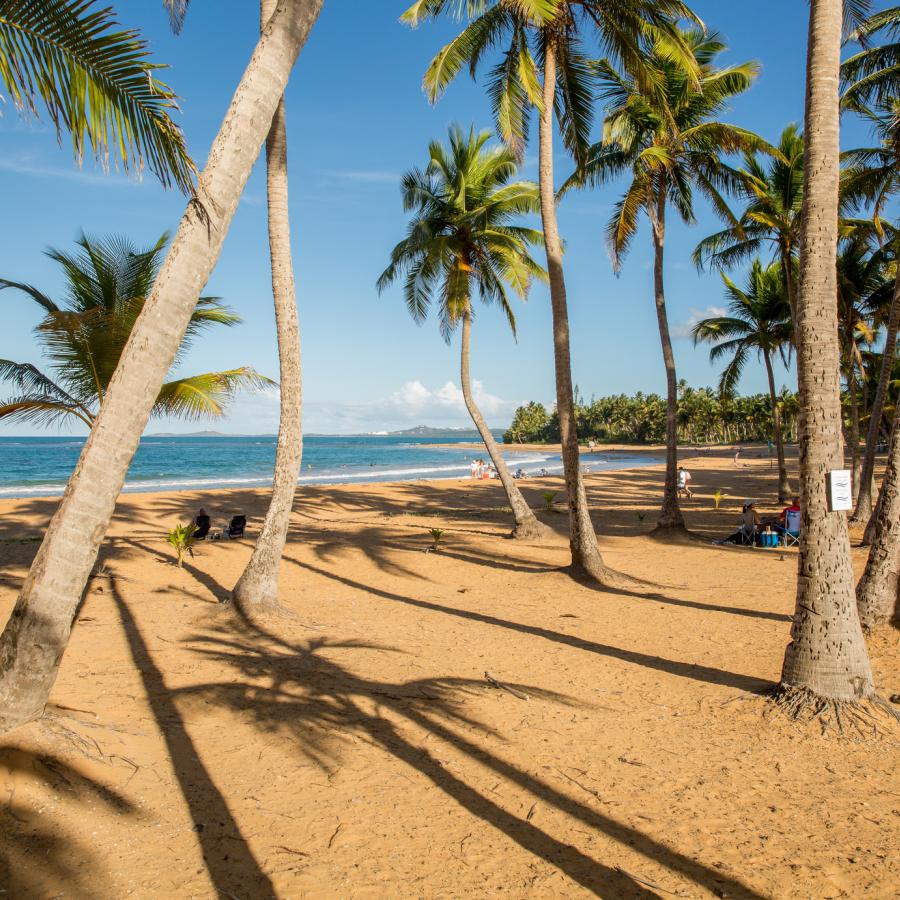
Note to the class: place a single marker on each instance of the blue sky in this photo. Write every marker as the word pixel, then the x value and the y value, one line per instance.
pixel 357 119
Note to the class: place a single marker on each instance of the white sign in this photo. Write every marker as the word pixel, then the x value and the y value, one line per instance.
pixel 840 490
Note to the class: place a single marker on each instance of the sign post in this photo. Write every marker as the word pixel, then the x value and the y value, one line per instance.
pixel 839 490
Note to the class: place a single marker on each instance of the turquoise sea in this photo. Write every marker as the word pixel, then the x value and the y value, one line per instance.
pixel 40 466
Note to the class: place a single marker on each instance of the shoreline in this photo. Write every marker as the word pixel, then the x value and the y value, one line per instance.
pixel 550 460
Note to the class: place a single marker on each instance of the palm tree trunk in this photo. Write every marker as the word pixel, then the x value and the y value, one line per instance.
pixel 257 589
pixel 35 638
pixel 527 524
pixel 853 437
pixel 787 267
pixel 826 659
pixel 784 486
pixel 586 558
pixel 670 515
pixel 864 501
pixel 878 588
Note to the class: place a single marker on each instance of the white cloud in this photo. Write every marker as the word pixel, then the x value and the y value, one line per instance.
pixel 414 399
pixel 685 329
pixel 414 403
pixel 24 167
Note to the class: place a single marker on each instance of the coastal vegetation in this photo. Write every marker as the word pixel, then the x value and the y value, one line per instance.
pixel 705 416
pixel 634 93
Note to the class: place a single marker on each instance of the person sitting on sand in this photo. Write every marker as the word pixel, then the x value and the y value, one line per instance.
pixel 520 473
pixel 746 533
pixel 201 524
pixel 684 482
pixel 789 518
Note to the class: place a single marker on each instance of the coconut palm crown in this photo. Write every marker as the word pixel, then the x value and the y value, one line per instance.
pixel 463 236
pixel 519 30
pixel 668 142
pixel 107 282
pixel 758 321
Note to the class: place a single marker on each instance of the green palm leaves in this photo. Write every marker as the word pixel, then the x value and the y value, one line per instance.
pixel 873 74
pixel 464 235
pixel 758 320
pixel 668 139
pixel 518 32
pixel 106 283
pixel 95 81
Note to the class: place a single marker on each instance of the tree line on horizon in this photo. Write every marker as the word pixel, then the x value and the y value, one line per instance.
pixel 818 236
pixel 705 416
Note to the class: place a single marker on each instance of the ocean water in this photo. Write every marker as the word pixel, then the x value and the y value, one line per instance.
pixel 40 466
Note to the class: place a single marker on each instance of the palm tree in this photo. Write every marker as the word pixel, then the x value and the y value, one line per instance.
pixel 826 665
pixel 879 587
pixel 759 320
pixel 863 287
pixel 551 32
pixel 872 175
pixel 35 637
pixel 668 141
pixel 256 591
pixel 772 187
pixel 94 81
pixel 107 283
pixel 872 76
pixel 463 237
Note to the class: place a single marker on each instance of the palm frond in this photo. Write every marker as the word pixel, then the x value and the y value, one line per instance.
pixel 207 395
pixel 96 82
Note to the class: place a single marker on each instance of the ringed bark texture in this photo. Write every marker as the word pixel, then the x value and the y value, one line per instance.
pixel 864 502
pixel 670 515
pixel 586 556
pixel 257 589
pixel 878 588
pixel 826 658
pixel 35 638
pixel 784 485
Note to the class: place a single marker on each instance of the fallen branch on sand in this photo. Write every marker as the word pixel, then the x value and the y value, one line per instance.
pixel 505 687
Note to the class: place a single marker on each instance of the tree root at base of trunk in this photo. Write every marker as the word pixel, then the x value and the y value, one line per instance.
pixel 532 531
pixel 676 533
pixel 861 717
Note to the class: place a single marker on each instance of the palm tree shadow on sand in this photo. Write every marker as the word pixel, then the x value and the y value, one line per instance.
pixel 290 688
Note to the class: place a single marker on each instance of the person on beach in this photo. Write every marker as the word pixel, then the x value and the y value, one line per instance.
pixel 789 518
pixel 475 468
pixel 750 523
pixel 201 525
pixel 737 457
pixel 684 483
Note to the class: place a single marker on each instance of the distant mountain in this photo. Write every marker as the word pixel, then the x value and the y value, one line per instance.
pixel 199 434
pixel 429 431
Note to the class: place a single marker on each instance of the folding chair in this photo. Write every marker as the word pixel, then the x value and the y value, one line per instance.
pixel 791 533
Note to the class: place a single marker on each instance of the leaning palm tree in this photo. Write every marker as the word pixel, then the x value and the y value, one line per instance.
pixel 772 188
pixel 668 141
pixel 826 665
pixel 872 176
pixel 94 81
pixel 35 637
pixel 552 33
pixel 256 591
pixel 758 320
pixel 106 285
pixel 464 238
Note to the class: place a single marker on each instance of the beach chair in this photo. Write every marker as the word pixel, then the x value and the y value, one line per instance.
pixel 202 523
pixel 747 534
pixel 791 533
pixel 236 527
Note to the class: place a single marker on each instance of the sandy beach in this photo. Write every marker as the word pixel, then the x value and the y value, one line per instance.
pixel 467 722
